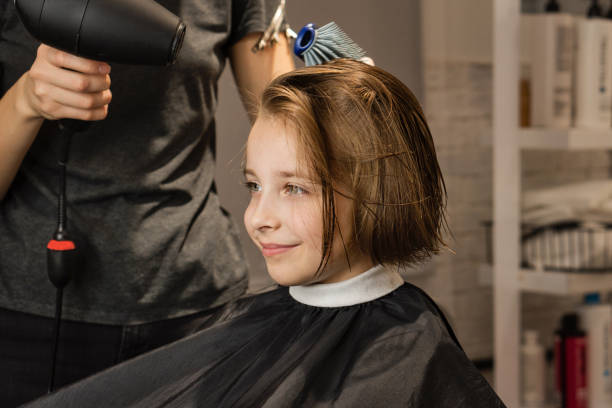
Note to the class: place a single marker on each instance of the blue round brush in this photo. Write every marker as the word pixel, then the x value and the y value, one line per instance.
pixel 316 46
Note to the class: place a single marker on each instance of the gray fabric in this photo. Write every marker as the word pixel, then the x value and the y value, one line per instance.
pixel 153 239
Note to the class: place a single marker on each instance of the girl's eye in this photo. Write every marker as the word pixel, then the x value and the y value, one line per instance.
pixel 252 186
pixel 294 190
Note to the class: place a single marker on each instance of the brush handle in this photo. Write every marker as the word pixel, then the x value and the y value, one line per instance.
pixel 305 39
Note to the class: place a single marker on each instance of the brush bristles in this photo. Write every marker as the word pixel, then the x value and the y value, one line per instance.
pixel 331 43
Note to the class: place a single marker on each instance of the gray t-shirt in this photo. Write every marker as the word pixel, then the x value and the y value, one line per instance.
pixel 154 242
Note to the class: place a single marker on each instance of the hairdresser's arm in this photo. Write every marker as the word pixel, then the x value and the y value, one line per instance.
pixel 253 71
pixel 58 85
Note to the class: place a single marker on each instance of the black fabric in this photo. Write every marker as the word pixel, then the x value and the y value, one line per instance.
pixel 269 350
pixel 84 349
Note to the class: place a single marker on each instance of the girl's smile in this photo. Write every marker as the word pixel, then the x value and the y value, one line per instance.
pixel 269 250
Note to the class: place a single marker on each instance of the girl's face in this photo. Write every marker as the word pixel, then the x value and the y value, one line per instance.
pixel 284 217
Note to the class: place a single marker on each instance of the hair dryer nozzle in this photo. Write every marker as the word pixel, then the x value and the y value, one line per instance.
pixel 122 31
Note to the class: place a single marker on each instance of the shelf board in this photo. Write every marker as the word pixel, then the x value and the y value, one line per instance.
pixel 564 139
pixel 563 283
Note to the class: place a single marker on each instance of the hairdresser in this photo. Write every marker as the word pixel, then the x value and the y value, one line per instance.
pixel 157 252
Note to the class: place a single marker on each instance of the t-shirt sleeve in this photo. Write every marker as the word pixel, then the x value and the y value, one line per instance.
pixel 250 16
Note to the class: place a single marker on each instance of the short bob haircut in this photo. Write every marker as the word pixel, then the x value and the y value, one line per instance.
pixel 363 135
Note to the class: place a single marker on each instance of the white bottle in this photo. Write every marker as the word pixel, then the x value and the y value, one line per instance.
pixel 593 73
pixel 547 41
pixel 596 320
pixel 533 365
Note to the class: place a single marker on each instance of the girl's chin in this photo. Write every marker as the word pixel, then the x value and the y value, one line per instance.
pixel 288 278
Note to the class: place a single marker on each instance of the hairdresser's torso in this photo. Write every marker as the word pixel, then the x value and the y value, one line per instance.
pixel 153 239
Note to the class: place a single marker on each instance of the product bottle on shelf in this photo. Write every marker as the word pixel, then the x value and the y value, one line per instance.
pixel 525 98
pixel 570 363
pixel 552 6
pixel 547 49
pixel 596 320
pixel 593 70
pixel 533 366
pixel 594 10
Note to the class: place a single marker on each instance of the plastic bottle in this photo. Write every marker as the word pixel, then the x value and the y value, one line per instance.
pixel 570 363
pixel 596 320
pixel 547 51
pixel 533 365
pixel 594 10
pixel 552 6
pixel 593 72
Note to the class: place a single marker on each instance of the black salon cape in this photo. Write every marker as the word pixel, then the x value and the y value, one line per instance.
pixel 269 350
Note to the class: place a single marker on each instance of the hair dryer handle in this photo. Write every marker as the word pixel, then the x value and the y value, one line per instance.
pixel 73 125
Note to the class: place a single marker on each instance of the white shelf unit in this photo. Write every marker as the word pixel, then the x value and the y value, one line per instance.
pixel 553 282
pixel 509 280
pixel 564 139
pixel 563 283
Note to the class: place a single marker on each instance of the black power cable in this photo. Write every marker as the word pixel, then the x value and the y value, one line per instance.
pixel 61 250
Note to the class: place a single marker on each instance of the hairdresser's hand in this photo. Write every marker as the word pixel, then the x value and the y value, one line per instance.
pixel 60 85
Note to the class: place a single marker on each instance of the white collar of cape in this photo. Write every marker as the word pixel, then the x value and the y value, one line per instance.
pixel 372 284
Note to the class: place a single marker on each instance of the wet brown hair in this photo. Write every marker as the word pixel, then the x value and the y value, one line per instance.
pixel 362 134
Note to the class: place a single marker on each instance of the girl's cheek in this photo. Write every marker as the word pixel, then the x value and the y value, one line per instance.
pixel 246 218
pixel 310 223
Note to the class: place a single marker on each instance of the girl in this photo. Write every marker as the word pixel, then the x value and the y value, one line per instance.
pixel 345 188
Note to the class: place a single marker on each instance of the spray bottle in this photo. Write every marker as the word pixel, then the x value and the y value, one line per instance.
pixel 596 319
pixel 571 363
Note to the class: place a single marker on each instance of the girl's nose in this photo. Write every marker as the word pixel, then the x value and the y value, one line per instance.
pixel 263 214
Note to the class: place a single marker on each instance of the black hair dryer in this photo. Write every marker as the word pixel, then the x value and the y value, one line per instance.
pixel 122 31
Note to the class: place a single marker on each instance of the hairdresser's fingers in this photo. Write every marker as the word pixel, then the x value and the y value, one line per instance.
pixel 83 114
pixel 60 103
pixel 48 101
pixel 49 87
pixel 44 72
pixel 65 60
pixel 54 111
pixel 77 100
